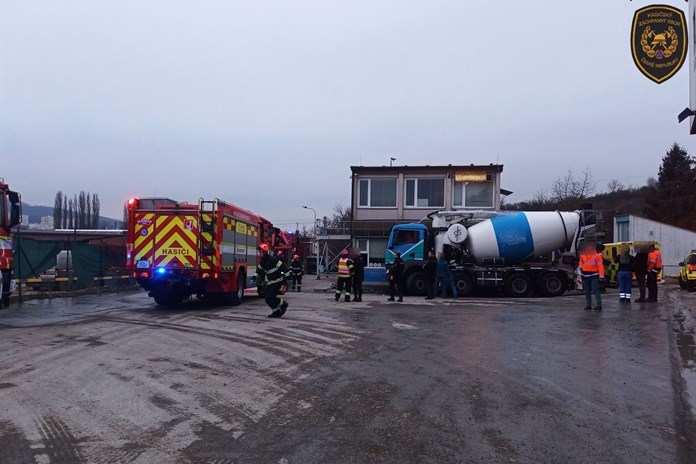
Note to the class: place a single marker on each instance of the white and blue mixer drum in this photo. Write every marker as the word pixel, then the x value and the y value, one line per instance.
pixel 521 236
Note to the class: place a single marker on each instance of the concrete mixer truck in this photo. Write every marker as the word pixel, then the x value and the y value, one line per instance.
pixel 516 252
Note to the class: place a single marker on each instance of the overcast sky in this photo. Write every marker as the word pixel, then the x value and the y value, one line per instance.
pixel 267 104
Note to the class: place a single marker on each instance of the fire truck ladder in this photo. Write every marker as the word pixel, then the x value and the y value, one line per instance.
pixel 207 218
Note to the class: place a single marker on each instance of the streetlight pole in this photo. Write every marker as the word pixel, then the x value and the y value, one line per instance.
pixel 316 239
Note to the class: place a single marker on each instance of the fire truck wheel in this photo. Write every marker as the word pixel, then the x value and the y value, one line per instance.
pixel 236 297
pixel 166 299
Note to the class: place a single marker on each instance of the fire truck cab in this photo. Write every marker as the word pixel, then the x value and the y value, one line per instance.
pixel 10 216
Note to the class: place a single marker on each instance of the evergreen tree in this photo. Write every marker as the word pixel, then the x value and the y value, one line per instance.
pixel 65 212
pixel 88 215
pixel 82 210
pixel 95 211
pixel 58 210
pixel 674 194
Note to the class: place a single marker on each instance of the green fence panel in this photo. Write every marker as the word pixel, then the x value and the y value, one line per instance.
pixel 33 257
pixel 86 260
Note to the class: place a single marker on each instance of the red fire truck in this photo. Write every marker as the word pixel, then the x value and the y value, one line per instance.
pixel 176 250
pixel 10 216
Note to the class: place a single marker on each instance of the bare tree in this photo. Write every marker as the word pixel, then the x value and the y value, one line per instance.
pixel 615 185
pixel 571 188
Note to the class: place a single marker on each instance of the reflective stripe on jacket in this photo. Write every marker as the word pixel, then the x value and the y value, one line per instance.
pixel 591 264
pixel 273 269
pixel 345 267
pixel 655 261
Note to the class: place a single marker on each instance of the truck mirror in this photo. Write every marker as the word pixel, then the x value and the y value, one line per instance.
pixel 15 198
pixel 15 214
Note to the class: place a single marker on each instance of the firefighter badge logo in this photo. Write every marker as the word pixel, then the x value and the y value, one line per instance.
pixel 659 41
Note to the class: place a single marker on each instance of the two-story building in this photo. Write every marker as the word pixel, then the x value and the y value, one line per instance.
pixel 383 196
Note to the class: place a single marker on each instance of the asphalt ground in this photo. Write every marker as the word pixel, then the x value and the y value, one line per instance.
pixel 114 378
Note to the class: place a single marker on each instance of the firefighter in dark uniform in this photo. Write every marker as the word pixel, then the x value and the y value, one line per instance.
pixel 297 272
pixel 358 277
pixel 275 274
pixel 395 275
pixel 345 275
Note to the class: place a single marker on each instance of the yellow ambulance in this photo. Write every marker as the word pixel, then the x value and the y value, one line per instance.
pixel 612 250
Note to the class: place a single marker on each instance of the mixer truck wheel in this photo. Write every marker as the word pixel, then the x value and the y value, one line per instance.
pixel 464 283
pixel 415 284
pixel 518 285
pixel 552 284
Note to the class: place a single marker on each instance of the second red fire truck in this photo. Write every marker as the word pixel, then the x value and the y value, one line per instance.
pixel 176 250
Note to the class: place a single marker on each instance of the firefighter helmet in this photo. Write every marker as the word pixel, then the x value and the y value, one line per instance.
pixel 344 252
pixel 263 247
pixel 296 257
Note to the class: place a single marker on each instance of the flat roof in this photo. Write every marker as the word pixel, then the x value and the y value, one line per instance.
pixel 427 167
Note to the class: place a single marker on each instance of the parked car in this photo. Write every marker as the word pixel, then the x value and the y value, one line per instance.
pixel 687 272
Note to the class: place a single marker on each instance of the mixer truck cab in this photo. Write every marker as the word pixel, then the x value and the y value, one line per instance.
pixel 515 252
pixel 409 240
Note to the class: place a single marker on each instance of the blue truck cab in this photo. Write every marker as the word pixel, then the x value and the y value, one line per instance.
pixel 407 239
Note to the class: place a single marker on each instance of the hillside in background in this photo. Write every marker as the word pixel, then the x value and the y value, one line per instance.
pixel 35 214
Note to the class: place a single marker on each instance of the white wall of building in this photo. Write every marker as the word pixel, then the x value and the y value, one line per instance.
pixel 691 21
pixel 675 243
pixel 47 222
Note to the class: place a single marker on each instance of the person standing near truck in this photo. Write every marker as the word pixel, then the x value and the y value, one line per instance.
pixel 395 275
pixel 297 272
pixel 592 271
pixel 345 276
pixel 430 271
pixel 443 277
pixel 625 273
pixel 654 268
pixel 358 277
pixel 640 269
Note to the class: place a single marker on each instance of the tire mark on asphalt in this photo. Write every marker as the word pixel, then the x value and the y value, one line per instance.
pixel 272 344
pixel 60 444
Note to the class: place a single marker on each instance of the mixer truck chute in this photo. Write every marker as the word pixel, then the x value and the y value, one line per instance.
pixel 516 252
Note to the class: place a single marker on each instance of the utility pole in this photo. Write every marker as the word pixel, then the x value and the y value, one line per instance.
pixel 316 239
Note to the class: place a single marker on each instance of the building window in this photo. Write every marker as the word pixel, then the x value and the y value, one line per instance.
pixel 424 192
pixel 373 251
pixel 622 232
pixel 473 194
pixel 377 192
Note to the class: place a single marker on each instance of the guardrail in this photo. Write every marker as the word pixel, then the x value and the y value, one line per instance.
pixel 66 286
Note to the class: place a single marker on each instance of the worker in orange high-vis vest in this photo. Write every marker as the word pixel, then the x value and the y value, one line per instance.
pixel 592 270
pixel 345 275
pixel 654 268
